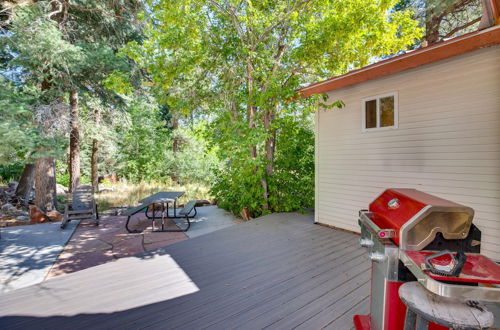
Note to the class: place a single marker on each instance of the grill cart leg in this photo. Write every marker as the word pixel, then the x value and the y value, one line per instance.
pixel 422 324
pixel 410 319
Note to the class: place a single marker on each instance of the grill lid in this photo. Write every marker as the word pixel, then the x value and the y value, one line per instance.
pixel 417 217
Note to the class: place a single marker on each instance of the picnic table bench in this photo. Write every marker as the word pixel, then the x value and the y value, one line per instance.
pixel 162 198
pixel 82 206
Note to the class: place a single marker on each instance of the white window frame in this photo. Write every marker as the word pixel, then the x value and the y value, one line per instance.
pixel 378 97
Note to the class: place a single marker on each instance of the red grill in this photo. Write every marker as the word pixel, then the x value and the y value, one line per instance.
pixel 401 228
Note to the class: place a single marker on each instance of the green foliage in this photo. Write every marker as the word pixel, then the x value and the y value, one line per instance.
pixel 22 140
pixel 41 50
pixel 292 183
pixel 19 135
pixel 11 172
pixel 225 71
pixel 145 149
pixel 50 54
pixel 291 186
pixel 237 63
pixel 63 178
pixel 144 144
pixel 196 161
pixel 238 186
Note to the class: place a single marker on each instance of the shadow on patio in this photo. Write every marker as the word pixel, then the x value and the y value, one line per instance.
pixel 28 252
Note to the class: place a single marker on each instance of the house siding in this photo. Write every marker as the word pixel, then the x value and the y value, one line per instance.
pixel 447 143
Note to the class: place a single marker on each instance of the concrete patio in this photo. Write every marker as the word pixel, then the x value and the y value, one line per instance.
pixel 28 252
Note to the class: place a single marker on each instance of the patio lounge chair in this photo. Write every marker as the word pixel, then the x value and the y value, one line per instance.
pixel 82 206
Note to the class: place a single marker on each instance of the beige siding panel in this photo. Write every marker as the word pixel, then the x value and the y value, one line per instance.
pixel 447 143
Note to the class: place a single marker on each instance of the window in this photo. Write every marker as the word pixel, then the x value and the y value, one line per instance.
pixel 380 112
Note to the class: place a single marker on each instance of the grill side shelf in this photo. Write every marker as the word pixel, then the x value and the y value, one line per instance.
pixel 456 291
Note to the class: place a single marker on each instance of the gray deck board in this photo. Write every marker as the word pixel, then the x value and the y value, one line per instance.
pixel 280 271
pixel 259 281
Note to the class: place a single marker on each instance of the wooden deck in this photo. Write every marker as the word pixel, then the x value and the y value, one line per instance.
pixel 278 272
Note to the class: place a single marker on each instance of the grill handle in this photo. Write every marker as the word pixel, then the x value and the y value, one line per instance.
pixel 455 266
pixel 364 218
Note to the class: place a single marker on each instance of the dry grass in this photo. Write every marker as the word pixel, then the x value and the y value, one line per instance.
pixel 124 194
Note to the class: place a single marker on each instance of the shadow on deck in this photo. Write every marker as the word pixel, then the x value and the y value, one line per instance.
pixel 279 271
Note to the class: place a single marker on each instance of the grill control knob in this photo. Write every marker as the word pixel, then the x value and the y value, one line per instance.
pixel 377 257
pixel 366 242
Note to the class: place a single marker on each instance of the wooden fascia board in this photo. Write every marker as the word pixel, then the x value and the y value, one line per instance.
pixel 434 53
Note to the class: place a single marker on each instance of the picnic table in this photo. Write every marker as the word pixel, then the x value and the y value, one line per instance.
pixel 163 198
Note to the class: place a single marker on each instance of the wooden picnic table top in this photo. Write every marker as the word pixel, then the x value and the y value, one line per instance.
pixel 162 195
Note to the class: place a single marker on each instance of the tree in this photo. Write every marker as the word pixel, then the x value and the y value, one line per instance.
pixel 34 135
pixel 444 18
pixel 94 170
pixel 20 136
pixel 74 142
pixel 25 185
pixel 239 61
pixel 172 123
pixel 84 23
pixel 43 56
pixel 88 34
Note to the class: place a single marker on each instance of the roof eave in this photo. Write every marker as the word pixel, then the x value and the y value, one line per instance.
pixel 440 51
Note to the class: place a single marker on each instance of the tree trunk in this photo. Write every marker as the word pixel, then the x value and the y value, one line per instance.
pixel 269 152
pixel 175 126
pixel 23 190
pixel 45 167
pixel 433 17
pixel 94 170
pixel 74 142
pixel 175 148
pixel 270 141
pixel 45 183
pixel 250 105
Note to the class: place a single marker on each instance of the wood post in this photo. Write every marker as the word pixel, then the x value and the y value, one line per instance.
pixel 74 142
